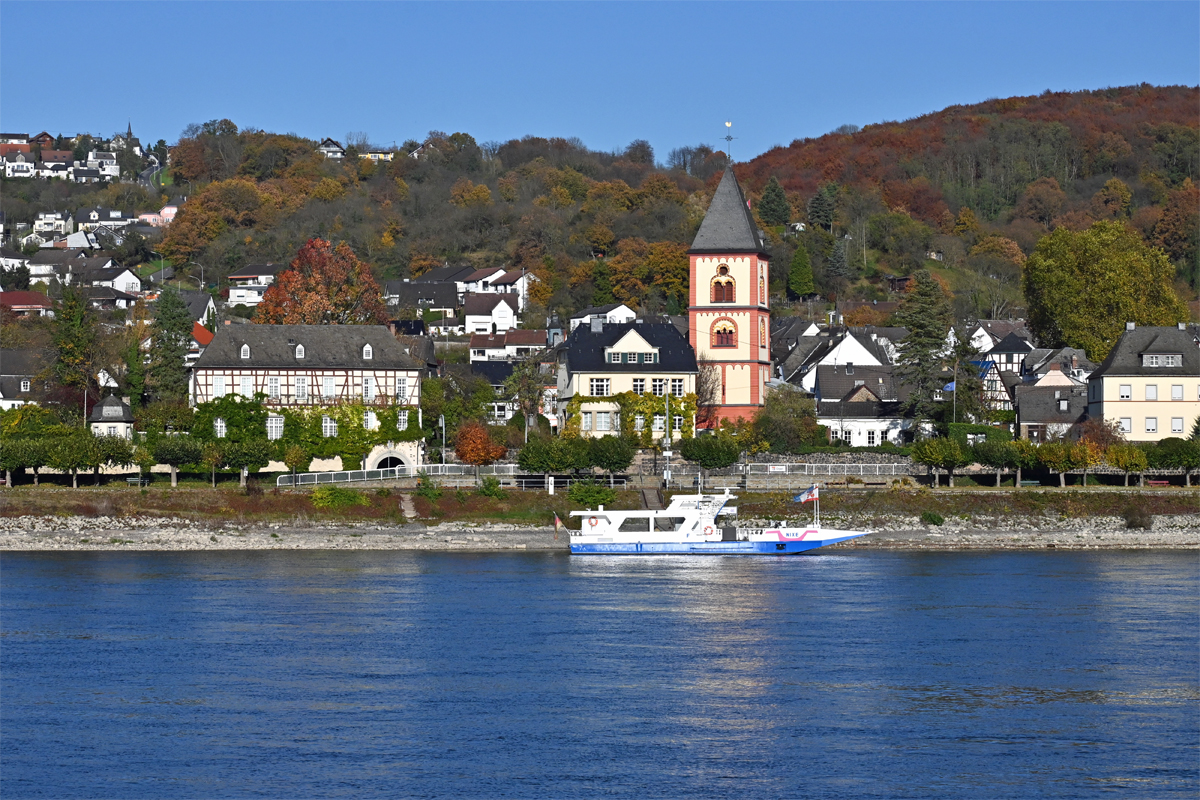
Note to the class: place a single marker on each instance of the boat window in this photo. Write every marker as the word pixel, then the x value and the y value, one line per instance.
pixel 668 523
pixel 635 525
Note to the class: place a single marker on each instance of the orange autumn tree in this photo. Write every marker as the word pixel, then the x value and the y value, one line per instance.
pixel 473 445
pixel 324 285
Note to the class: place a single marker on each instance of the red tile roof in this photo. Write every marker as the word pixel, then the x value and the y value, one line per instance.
pixel 25 299
pixel 201 334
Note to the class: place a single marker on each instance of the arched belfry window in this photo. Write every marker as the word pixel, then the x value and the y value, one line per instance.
pixel 724 333
pixel 722 286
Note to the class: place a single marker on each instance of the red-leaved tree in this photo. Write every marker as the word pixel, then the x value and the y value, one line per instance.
pixel 325 285
pixel 474 445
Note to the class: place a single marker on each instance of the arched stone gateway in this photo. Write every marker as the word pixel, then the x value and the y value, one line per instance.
pixel 394 454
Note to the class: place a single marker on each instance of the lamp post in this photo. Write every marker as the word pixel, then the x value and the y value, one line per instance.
pixel 203 285
pixel 162 271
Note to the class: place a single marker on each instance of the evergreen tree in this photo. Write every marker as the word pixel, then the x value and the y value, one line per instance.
pixel 838 266
pixel 823 205
pixel 800 277
pixel 167 375
pixel 773 208
pixel 927 314
pixel 74 340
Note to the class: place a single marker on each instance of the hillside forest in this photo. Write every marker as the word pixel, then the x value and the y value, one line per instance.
pixel 967 192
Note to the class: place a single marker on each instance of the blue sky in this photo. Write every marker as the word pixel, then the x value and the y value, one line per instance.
pixel 608 73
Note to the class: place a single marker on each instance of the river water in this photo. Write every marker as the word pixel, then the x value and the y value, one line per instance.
pixel 485 675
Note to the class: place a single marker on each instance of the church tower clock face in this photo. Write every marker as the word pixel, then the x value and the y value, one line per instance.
pixel 729 324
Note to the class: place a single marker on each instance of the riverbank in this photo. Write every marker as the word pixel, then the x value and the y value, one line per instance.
pixel 132 533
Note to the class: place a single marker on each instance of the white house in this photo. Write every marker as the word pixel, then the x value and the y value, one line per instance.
pixel 111 417
pixel 849 348
pixel 511 346
pixel 481 280
pixel 615 313
pixel 91 219
pixel 331 148
pixel 247 286
pixel 860 405
pixel 53 222
pixel 518 282
pixel 20 165
pixel 490 313
pixel 105 163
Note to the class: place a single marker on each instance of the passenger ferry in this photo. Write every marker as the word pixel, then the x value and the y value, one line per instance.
pixel 697 524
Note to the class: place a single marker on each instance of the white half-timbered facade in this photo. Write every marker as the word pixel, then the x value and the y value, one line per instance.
pixel 307 365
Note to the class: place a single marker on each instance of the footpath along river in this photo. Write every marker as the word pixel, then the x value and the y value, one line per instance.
pixel 364 673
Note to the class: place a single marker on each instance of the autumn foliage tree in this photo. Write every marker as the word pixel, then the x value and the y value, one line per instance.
pixel 474 445
pixel 324 285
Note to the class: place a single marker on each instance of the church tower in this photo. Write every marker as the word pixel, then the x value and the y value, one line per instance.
pixel 728 313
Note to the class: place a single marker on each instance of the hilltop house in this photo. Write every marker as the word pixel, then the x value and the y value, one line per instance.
pixel 490 313
pixel 247 286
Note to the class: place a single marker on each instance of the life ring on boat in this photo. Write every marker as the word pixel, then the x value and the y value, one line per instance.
pixel 593 521
pixel 708 530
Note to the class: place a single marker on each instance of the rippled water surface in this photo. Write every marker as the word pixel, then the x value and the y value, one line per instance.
pixel 384 674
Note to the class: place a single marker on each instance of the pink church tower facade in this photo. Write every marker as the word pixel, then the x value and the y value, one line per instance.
pixel 729 314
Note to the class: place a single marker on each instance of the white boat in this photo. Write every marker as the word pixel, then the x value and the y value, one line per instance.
pixel 696 524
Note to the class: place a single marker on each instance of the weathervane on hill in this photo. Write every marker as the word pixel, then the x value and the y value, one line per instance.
pixel 729 137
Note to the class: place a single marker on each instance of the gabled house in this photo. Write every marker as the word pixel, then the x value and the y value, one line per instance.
pixel 490 313
pixel 200 305
pixel 19 384
pixel 90 219
pixel 1149 385
pixel 1049 410
pixel 314 365
pixel 995 393
pixel 518 282
pixel 54 222
pixel 600 360
pixel 1009 353
pixel 860 405
pixel 247 286
pixel 481 280
pixel 1071 361
pixel 106 298
pixel 20 165
pixel 988 332
pixel 514 345
pixel 839 349
pixel 331 148
pixel 112 276
pixel 10 258
pixel 613 313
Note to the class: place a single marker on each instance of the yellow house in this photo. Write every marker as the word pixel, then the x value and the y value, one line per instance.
pixel 1149 385
pixel 650 359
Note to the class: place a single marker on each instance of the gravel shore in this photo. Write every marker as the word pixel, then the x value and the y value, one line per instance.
pixel 145 533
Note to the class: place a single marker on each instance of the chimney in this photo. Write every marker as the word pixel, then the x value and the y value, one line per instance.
pixel 597 324
pixel 1183 326
pixel 1129 326
pixel 1074 361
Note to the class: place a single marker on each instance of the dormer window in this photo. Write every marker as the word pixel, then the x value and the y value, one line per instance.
pixel 299 351
pixel 367 352
pixel 245 351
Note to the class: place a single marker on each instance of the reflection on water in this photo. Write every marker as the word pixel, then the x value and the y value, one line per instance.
pixel 535 675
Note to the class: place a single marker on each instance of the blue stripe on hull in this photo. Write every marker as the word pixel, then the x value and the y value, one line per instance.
pixel 702 548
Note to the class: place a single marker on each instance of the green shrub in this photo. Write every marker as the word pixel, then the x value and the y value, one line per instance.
pixel 427 487
pixel 590 494
pixel 490 487
pixel 331 497
pixel 932 518
pixel 383 492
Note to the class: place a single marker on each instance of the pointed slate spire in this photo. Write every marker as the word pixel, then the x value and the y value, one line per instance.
pixel 728 226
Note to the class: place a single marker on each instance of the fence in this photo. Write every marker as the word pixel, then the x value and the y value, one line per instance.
pixel 346 476
pixel 829 469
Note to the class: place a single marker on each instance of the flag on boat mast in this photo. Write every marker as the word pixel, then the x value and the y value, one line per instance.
pixel 806 495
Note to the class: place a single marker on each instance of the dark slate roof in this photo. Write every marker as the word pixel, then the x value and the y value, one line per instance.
pixel 56 255
pixel 483 303
pixel 865 410
pixel 1012 343
pixel 836 382
pixel 101 274
pixel 409 293
pixel 108 293
pixel 420 348
pixel 8 252
pixel 196 302
pixel 408 327
pixel 325 347
pixel 1039 405
pixel 110 409
pixel 18 365
pixel 999 328
pixel 439 274
pixel 728 226
pixel 1126 356
pixel 495 372
pixel 1038 362
pixel 587 312
pixel 585 349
